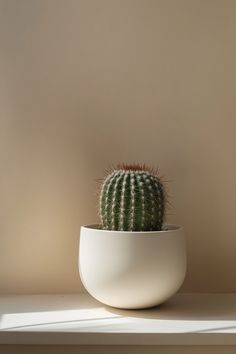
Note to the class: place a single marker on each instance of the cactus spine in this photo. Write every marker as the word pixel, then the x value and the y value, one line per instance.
pixel 132 198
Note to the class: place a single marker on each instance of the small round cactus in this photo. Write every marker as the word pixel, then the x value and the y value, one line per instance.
pixel 132 198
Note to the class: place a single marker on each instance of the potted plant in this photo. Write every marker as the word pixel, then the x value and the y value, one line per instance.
pixel 132 260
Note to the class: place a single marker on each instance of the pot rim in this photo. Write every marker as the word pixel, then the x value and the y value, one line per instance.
pixel 171 228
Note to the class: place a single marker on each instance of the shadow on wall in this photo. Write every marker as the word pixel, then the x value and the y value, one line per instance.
pixel 83 86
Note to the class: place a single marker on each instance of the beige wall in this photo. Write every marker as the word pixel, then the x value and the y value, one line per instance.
pixel 86 83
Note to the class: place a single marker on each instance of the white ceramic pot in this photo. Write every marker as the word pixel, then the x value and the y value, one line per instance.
pixel 132 270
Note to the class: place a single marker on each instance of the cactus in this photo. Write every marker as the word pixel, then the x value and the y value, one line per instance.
pixel 132 198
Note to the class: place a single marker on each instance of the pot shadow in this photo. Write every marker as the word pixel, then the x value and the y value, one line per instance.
pixel 196 307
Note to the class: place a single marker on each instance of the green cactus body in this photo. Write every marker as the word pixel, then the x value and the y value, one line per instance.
pixel 132 200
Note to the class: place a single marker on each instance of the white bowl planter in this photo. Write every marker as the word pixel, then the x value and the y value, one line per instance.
pixel 132 270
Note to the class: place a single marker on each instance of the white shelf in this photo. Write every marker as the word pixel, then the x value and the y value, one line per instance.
pixel 187 319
